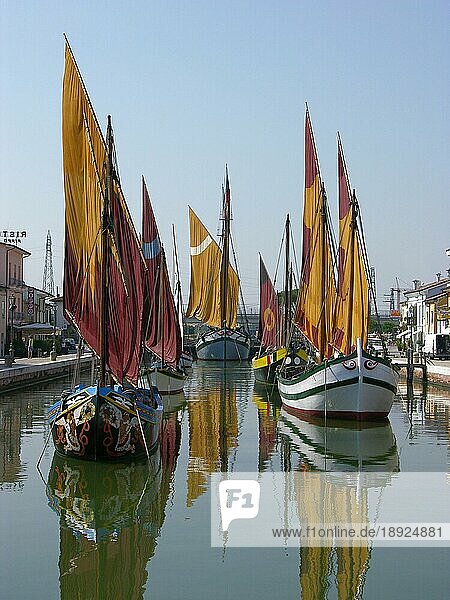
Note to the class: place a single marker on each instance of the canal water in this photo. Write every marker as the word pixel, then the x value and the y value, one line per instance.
pixel 126 531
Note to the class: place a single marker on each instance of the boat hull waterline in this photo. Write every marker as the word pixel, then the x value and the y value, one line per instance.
pixel 229 345
pixel 104 423
pixel 358 386
pixel 166 380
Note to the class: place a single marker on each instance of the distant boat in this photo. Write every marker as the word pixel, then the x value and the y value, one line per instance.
pixel 342 380
pixel 214 290
pixel 110 418
pixel 161 361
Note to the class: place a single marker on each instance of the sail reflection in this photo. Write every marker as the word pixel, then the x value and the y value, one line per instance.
pixel 368 455
pixel 214 420
pixel 268 404
pixel 111 515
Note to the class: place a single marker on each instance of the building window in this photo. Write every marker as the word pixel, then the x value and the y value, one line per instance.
pixel 3 309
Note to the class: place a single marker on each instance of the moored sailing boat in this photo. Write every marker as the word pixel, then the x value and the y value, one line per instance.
pixel 214 290
pixel 103 294
pixel 161 326
pixel 274 328
pixel 335 319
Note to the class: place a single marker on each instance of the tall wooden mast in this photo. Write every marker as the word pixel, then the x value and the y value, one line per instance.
pixel 103 333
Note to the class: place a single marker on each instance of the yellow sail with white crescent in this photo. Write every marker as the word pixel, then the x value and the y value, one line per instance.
pixel 204 297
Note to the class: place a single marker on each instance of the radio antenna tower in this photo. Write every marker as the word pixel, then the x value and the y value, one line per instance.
pixel 48 284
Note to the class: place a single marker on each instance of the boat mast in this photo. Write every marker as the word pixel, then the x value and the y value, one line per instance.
pixel 323 316
pixel 353 226
pixel 225 251
pixel 287 285
pixel 103 333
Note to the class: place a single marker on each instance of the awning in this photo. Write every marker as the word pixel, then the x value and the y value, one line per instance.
pixel 37 328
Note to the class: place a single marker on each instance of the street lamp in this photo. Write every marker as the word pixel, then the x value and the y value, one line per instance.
pixel 12 308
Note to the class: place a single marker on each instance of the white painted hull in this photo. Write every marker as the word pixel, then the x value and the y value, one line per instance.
pixel 167 381
pixel 229 345
pixel 359 386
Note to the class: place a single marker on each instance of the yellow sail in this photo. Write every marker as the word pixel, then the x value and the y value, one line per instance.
pixel 352 304
pixel 318 291
pixel 84 152
pixel 213 432
pixel 204 297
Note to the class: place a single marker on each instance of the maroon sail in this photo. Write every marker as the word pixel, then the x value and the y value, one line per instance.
pixel 162 331
pixel 268 309
pixel 116 330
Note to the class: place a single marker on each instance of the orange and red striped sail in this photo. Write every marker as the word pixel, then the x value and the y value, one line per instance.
pixel 84 169
pixel 318 290
pixel 352 305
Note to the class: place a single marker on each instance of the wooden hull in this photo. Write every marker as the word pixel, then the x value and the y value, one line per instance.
pixel 104 423
pixel 223 345
pixel 166 380
pixel 358 386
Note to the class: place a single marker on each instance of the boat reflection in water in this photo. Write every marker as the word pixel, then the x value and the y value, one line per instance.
pixel 367 453
pixel 215 417
pixel 111 515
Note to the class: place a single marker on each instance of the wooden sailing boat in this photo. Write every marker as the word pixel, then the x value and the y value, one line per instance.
pixel 274 329
pixel 271 352
pixel 103 294
pixel 335 319
pixel 214 290
pixel 161 325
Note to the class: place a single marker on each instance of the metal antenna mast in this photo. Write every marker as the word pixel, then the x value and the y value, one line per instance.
pixel 48 284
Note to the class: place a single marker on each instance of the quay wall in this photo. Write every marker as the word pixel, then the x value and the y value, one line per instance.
pixel 26 372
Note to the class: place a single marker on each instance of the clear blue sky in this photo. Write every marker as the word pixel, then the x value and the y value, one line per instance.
pixel 196 84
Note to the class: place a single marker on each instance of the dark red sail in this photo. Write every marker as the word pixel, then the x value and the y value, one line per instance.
pixel 161 328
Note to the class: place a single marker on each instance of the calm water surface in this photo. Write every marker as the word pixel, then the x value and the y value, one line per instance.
pixel 143 530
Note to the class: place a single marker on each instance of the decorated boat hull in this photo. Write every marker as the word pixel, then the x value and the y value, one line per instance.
pixel 106 423
pixel 358 386
pixel 223 345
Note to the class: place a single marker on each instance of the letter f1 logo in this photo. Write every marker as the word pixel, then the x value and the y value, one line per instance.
pixel 239 499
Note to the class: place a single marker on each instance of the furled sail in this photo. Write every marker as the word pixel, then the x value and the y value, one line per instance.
pixel 85 186
pixel 352 304
pixel 268 328
pixel 317 290
pixel 204 297
pixel 160 321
